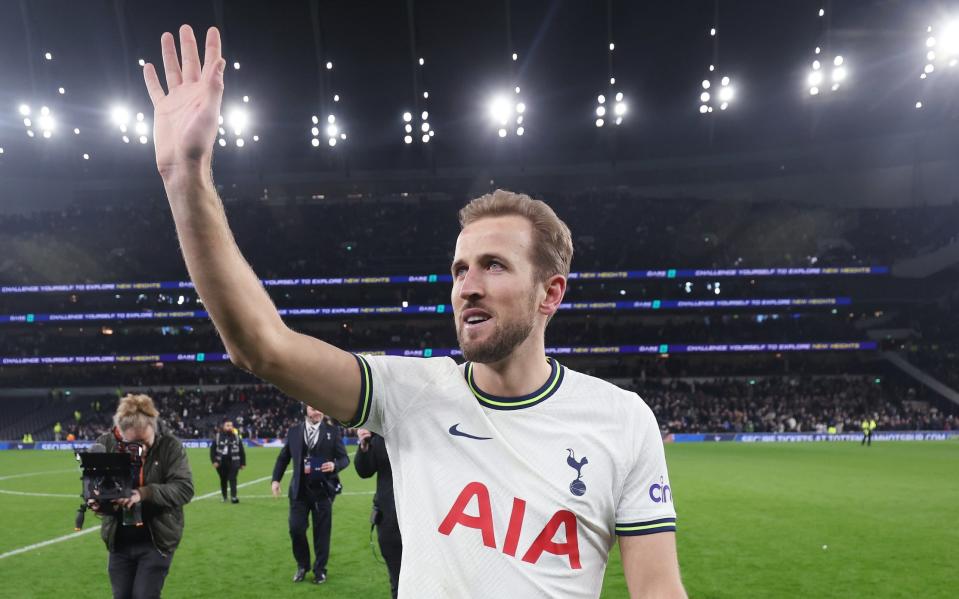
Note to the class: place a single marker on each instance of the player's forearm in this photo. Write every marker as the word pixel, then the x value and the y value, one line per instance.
pixel 240 308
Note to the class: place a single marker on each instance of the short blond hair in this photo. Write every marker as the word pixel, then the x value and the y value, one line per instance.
pixel 135 412
pixel 552 251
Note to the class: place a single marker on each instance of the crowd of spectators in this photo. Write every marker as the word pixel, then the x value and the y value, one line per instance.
pixel 786 404
pixel 392 235
pixel 768 404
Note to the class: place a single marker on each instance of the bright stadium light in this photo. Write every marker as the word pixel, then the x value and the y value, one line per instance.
pixel 501 110
pixel 407 139
pixel 86 156
pixel 48 56
pixel 237 119
pixel 407 117
pixel 120 117
pixel 24 110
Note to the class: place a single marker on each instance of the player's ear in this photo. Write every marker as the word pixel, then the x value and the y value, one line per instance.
pixel 555 287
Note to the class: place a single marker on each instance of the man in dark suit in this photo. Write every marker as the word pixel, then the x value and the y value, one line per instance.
pixel 372 459
pixel 315 447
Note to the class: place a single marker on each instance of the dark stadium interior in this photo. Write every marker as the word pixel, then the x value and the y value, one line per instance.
pixel 859 181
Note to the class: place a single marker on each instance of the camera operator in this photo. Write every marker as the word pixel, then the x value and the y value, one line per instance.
pixel 316 449
pixel 371 458
pixel 228 457
pixel 140 555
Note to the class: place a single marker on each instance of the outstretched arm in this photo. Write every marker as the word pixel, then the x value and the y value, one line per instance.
pixel 185 128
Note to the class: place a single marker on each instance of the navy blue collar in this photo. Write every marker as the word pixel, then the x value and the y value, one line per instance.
pixel 495 402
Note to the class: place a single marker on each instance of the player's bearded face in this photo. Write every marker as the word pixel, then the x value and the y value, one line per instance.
pixel 509 329
pixel 494 291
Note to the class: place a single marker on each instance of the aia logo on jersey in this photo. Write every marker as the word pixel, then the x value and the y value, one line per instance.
pixel 483 522
pixel 660 492
pixel 577 487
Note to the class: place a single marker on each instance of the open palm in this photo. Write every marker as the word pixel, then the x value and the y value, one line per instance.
pixel 186 116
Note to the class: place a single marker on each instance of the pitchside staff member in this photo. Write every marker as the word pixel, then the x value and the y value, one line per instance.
pixel 370 459
pixel 316 449
pixel 228 457
pixel 140 556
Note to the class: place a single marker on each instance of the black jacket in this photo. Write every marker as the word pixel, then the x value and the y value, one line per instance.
pixel 376 461
pixel 228 447
pixel 329 448
pixel 167 487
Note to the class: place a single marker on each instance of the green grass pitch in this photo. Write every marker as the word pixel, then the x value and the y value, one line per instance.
pixel 763 520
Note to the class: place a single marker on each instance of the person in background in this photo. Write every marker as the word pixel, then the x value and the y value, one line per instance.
pixel 868 426
pixel 228 457
pixel 57 431
pixel 371 459
pixel 315 447
pixel 140 555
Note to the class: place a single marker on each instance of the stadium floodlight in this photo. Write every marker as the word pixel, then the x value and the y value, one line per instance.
pixel 600 122
pixel 407 117
pixel 120 117
pixel 142 62
pixel 501 110
pixel 515 56
pixel 237 119
pixel 61 91
pixel 332 141
pixel 86 156
pixel 520 131
pixel 422 62
pixel 329 67
pixel 425 138
pixel 256 138
pixel 315 142
pixel 425 115
pixel 246 99
pixel 720 98
pixel 408 139
pixel 332 130
pixel 502 132
pixel 24 110
pixel 76 131
pixel 426 95
pixel 239 142
pixel 316 120
pixel 222 142
pixel 236 66
pixel 48 56
pixel 336 97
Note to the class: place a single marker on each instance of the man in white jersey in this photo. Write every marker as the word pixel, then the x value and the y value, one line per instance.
pixel 513 475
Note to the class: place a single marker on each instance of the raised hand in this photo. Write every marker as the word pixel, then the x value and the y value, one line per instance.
pixel 186 116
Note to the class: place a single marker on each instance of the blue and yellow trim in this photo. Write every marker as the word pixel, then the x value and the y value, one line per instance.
pixel 495 402
pixel 649 527
pixel 366 394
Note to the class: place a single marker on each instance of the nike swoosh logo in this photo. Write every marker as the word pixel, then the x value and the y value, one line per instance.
pixel 458 433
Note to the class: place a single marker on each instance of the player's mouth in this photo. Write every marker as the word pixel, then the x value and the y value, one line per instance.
pixel 475 319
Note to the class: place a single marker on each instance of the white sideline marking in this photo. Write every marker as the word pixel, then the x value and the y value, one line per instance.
pixel 25 474
pixel 26 494
pixel 283 496
pixel 85 531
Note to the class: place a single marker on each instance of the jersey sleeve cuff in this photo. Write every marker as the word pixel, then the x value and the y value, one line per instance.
pixel 648 527
pixel 366 394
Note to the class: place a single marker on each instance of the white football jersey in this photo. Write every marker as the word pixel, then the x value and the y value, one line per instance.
pixel 512 497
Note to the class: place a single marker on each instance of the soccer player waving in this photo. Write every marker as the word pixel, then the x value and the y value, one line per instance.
pixel 513 474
